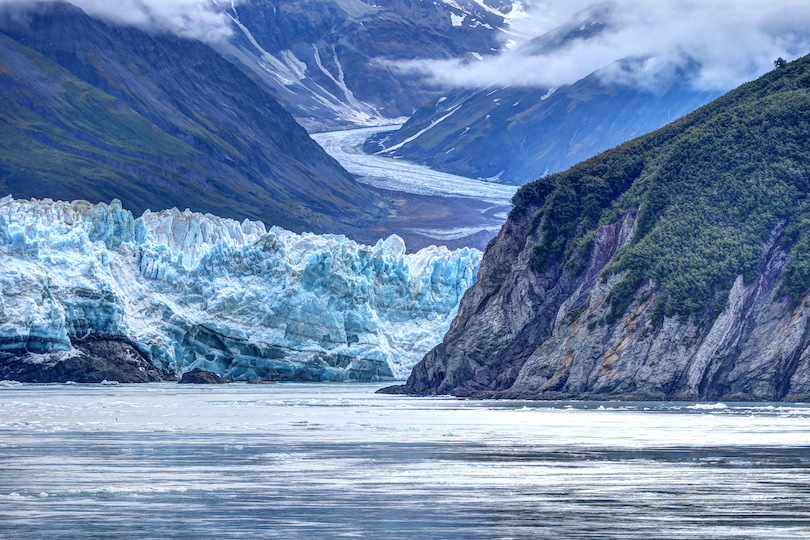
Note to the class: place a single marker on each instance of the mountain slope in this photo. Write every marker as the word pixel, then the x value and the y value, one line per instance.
pixel 519 134
pixel 673 267
pixel 98 111
pixel 331 61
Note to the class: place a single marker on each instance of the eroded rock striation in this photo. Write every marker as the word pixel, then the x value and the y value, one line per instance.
pixel 688 282
pixel 184 291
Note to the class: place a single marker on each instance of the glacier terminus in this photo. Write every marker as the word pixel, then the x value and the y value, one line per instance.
pixel 186 290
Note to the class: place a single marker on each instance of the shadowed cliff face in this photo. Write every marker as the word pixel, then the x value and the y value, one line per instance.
pixel 689 283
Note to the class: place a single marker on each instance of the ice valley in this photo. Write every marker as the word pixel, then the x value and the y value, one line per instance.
pixel 188 290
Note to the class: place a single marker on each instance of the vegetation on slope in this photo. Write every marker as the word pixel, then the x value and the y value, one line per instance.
pixel 94 111
pixel 709 191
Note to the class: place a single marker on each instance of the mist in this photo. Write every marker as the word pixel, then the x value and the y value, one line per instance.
pixel 204 20
pixel 718 44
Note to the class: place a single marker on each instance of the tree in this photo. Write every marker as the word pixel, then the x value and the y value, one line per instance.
pixel 779 63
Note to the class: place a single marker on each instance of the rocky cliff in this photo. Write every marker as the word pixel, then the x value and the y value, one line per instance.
pixel 673 267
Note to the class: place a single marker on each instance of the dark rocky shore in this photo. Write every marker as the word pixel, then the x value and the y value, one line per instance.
pixel 89 362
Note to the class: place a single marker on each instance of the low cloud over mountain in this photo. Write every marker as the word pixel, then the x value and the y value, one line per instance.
pixel 722 43
pixel 198 19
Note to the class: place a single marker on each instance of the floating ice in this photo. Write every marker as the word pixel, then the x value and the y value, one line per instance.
pixel 192 290
pixel 708 406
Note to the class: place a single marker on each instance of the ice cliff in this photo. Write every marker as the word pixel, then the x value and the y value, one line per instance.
pixel 187 290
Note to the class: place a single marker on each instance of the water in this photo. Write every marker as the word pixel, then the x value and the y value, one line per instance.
pixel 322 461
pixel 396 175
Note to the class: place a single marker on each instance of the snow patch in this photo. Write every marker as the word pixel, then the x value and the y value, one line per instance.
pixel 548 94
pixel 421 132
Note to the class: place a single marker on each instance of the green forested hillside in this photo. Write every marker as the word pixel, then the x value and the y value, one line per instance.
pixel 709 190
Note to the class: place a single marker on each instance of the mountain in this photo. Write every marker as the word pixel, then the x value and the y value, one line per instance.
pixel 89 293
pixel 675 266
pixel 96 111
pixel 514 135
pixel 517 133
pixel 333 62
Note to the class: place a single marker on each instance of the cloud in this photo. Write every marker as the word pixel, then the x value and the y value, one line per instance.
pixel 196 19
pixel 721 43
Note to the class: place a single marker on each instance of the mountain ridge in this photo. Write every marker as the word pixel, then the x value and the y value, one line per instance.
pixel 333 63
pixel 514 135
pixel 115 112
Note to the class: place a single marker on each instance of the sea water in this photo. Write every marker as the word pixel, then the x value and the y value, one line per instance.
pixel 322 461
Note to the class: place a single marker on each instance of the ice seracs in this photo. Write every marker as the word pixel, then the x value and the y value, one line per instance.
pixel 191 290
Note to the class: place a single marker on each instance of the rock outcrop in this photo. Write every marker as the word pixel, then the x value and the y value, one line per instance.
pixel 200 376
pixel 519 334
pixel 93 361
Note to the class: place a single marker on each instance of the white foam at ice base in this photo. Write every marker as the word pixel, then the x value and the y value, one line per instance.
pixel 196 290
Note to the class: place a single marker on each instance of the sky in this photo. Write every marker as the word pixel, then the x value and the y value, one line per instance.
pixel 727 42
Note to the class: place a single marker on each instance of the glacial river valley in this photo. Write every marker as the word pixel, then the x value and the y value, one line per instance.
pixel 432 207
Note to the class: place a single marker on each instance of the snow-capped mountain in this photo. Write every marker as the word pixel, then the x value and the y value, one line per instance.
pixel 187 290
pixel 332 62
pixel 516 133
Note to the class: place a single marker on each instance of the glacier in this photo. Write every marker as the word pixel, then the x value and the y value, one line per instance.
pixel 188 290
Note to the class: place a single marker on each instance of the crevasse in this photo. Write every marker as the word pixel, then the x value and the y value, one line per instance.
pixel 192 290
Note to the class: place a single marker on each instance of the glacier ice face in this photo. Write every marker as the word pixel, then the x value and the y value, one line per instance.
pixel 191 290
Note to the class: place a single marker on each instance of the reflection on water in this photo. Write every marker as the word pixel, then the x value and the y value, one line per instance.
pixel 337 461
